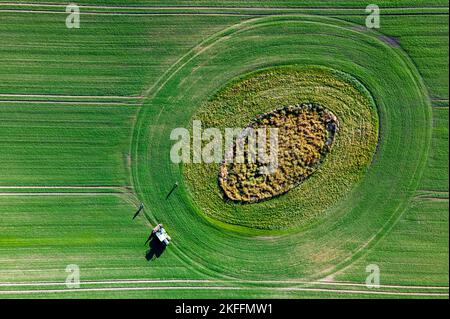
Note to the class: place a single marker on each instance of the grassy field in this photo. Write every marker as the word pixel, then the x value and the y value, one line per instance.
pixel 87 114
pixel 85 143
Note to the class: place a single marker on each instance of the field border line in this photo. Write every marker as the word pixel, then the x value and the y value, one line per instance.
pixel 251 11
pixel 292 282
pixel 285 289
pixel 129 97
pixel 217 13
pixel 197 7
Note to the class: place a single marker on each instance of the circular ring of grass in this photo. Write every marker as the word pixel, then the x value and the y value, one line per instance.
pixel 357 223
pixel 246 98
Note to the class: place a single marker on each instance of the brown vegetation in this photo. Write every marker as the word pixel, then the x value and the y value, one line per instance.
pixel 305 134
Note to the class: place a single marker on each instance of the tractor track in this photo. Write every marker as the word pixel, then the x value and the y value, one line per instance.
pixel 72 191
pixel 272 289
pixel 71 96
pixel 208 281
pixel 181 7
pixel 216 10
pixel 217 13
pixel 68 102
pixel 314 286
pixel 58 194
pixel 61 187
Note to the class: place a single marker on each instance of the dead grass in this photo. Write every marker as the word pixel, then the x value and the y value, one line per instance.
pixel 305 135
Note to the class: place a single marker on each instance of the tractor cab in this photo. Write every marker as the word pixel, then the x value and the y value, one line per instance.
pixel 161 234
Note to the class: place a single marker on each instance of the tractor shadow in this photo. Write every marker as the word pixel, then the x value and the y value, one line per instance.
pixel 156 249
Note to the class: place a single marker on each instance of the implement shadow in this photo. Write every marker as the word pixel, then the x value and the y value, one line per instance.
pixel 156 248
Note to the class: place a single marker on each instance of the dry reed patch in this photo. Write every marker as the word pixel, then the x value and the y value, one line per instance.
pixel 305 135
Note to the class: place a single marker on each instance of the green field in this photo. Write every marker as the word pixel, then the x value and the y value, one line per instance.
pixel 87 115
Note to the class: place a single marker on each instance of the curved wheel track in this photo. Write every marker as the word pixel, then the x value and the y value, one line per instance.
pixel 360 220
